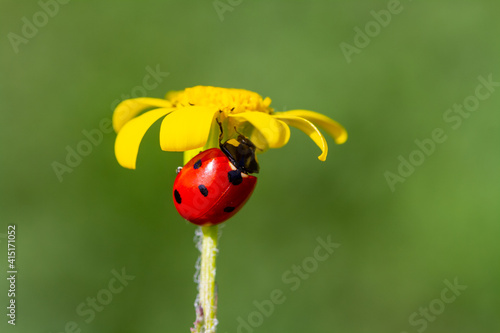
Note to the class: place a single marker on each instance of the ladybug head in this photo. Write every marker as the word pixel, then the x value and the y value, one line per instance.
pixel 241 152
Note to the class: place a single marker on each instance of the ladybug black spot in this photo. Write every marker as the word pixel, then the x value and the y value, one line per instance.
pixel 228 209
pixel 177 197
pixel 234 177
pixel 203 190
pixel 197 164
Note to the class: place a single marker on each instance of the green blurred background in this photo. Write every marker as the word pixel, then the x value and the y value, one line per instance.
pixel 397 247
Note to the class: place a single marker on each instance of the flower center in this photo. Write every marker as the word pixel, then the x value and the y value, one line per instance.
pixel 227 100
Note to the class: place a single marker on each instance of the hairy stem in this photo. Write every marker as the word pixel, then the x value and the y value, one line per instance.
pixel 206 301
pixel 207 277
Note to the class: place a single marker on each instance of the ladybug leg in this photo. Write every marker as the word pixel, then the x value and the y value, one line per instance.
pixel 221 134
pixel 178 169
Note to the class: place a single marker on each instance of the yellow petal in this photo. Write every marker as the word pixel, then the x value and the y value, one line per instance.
pixel 270 132
pixel 307 127
pixel 130 136
pixel 187 128
pixel 130 108
pixel 329 125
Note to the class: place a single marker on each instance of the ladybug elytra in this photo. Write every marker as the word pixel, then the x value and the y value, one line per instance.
pixel 215 184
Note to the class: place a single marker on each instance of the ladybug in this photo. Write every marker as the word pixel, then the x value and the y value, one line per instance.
pixel 215 184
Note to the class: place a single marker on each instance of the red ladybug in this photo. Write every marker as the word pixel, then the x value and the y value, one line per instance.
pixel 215 184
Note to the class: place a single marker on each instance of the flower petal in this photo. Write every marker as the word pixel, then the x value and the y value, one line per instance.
pixel 130 136
pixel 329 125
pixel 307 127
pixel 186 128
pixel 129 108
pixel 270 132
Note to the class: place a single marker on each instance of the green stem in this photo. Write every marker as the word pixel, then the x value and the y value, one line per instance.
pixel 206 301
pixel 207 277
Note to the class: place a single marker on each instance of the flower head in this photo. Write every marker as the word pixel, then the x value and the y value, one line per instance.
pixel 189 121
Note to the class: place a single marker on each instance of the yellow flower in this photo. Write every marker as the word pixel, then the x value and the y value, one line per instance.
pixel 189 119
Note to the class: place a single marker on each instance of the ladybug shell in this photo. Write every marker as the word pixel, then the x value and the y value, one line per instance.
pixel 209 189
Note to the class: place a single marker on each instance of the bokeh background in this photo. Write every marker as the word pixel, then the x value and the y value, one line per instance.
pixel 397 247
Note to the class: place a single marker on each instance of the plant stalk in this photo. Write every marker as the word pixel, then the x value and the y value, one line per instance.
pixel 207 277
pixel 206 301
